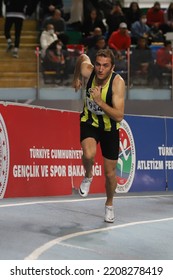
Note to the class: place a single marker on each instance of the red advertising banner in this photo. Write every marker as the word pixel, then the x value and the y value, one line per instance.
pixel 40 153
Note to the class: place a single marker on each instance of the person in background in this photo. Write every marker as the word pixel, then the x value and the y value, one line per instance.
pixel 114 19
pixel 163 62
pixel 76 15
pixel 168 17
pixel 155 35
pixel 48 7
pixel 99 44
pixel 106 6
pixel 91 22
pixel 155 20
pixel 155 16
pixel 99 121
pixel 59 25
pixel 142 60
pixel 48 36
pixel 139 29
pixel 15 15
pixel 57 59
pixel 90 41
pixel 132 14
pixel 120 40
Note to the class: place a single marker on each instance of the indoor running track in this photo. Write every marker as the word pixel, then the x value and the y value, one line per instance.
pixel 72 228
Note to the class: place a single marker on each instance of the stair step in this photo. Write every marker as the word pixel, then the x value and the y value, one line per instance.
pixel 20 72
pixel 17 66
pixel 26 39
pixel 28 24
pixel 22 83
pixel 23 33
pixel 21 75
pixel 24 54
pixel 22 45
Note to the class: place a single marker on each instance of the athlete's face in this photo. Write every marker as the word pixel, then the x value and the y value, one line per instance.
pixel 103 67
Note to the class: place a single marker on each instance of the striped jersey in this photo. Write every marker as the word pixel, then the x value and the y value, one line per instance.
pixel 92 113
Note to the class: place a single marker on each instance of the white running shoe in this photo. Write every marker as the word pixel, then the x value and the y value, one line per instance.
pixel 15 54
pixel 9 47
pixel 85 186
pixel 109 214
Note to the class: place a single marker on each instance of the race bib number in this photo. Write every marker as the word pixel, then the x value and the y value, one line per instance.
pixel 93 107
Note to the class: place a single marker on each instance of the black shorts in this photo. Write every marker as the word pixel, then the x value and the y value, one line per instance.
pixel 109 140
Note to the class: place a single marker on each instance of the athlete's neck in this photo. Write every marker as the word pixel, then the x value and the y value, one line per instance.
pixel 102 82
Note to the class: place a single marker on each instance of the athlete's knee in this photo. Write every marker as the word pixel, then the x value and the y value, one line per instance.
pixel 88 155
pixel 110 174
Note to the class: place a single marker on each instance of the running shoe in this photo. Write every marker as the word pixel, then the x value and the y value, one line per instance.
pixel 9 47
pixel 85 186
pixel 15 54
pixel 109 214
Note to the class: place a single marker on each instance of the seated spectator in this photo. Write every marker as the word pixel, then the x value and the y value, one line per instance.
pixel 99 44
pixel 163 62
pixel 90 41
pixel 114 19
pixel 120 40
pixel 59 25
pixel 48 36
pixel 155 35
pixel 168 17
pixel 91 22
pixel 99 5
pixel 32 8
pixel 105 6
pixel 141 60
pixel 155 16
pixel 121 65
pixel 48 7
pixel 132 14
pixel 139 29
pixel 57 59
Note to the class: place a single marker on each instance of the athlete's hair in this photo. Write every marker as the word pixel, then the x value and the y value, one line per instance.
pixel 106 53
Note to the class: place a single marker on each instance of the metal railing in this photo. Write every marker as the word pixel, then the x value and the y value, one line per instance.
pixel 143 80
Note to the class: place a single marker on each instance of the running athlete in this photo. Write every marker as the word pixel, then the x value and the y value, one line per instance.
pixel 99 121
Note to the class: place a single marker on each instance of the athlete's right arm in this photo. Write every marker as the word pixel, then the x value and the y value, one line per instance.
pixel 83 69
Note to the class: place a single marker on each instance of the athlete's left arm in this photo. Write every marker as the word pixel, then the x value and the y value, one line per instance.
pixel 118 91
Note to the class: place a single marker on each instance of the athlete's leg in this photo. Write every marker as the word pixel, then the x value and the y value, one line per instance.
pixel 110 185
pixel 110 180
pixel 89 147
pixel 110 149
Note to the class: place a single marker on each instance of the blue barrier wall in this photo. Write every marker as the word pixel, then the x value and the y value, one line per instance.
pixel 147 163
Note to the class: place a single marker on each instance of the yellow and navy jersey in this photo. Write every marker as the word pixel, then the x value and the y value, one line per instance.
pixel 92 113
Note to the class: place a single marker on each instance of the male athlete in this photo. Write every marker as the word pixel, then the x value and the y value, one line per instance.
pixel 99 121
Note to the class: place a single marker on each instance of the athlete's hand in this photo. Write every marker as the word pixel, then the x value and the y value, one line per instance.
pixel 77 84
pixel 96 94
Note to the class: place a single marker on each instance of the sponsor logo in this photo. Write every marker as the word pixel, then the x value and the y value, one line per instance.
pixel 127 159
pixel 4 157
